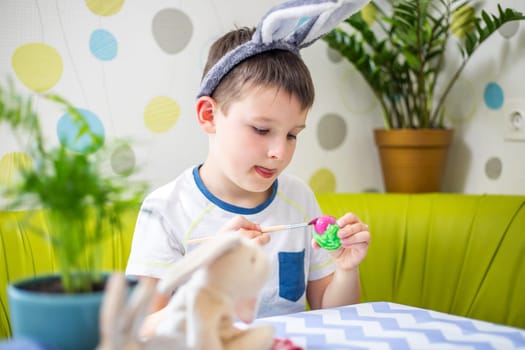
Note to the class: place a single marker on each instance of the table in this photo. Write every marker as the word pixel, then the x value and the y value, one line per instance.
pixel 383 325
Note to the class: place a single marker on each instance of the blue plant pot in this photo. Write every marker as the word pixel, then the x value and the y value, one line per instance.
pixel 62 321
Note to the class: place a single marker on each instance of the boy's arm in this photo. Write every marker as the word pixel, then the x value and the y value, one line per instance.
pixel 342 287
pixel 337 289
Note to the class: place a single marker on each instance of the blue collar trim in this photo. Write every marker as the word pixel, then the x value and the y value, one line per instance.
pixel 230 207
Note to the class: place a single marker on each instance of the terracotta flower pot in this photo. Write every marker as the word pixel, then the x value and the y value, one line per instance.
pixel 413 160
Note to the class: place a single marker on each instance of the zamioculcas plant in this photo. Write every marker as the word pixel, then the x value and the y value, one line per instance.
pixel 401 54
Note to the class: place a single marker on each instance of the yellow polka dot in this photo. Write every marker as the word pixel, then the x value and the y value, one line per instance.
pixel 10 166
pixel 459 21
pixel 104 7
pixel 37 65
pixel 322 181
pixel 161 114
pixel 369 13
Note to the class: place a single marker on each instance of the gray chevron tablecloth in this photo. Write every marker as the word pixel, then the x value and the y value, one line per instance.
pixel 383 325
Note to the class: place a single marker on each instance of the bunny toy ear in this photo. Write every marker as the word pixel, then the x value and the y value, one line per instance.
pixel 290 26
pixel 203 256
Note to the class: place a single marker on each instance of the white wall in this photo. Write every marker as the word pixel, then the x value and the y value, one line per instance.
pixel 155 49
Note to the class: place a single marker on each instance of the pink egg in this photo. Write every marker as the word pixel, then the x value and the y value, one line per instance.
pixel 321 223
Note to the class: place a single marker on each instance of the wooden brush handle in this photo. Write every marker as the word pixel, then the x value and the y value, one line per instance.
pixel 263 230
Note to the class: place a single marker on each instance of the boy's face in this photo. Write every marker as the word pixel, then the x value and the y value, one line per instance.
pixel 255 141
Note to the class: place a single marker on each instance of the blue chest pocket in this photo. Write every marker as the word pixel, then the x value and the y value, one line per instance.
pixel 291 275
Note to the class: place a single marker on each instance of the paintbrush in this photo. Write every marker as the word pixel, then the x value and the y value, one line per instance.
pixel 263 230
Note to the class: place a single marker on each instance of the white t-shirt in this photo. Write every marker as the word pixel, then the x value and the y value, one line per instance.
pixel 184 209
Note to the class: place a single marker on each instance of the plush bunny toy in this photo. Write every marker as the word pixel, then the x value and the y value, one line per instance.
pixel 216 284
pixel 121 317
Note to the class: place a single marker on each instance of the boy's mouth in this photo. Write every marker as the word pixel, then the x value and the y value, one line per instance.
pixel 265 172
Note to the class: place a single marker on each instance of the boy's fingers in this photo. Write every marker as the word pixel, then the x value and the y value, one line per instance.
pixel 357 238
pixel 260 237
pixel 315 245
pixel 352 229
pixel 249 233
pixel 239 222
pixel 347 219
pixel 263 238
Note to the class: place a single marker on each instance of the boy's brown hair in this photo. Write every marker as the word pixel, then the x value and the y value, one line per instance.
pixel 276 68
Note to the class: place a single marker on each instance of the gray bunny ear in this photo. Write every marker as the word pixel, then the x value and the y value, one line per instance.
pixel 329 19
pixel 302 22
pixel 201 257
pixel 282 22
pixel 290 26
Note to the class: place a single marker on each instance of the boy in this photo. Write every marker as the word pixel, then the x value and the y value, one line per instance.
pixel 252 115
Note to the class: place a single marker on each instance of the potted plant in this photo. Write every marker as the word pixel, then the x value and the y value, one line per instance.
pixel 401 57
pixel 80 204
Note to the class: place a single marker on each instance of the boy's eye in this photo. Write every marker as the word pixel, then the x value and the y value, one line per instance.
pixel 260 131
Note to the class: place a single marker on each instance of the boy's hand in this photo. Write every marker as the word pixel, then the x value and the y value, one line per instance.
pixel 355 238
pixel 246 228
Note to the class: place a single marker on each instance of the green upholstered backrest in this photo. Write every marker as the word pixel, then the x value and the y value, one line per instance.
pixel 25 253
pixel 461 254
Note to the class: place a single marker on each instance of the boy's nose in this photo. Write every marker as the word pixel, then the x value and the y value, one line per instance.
pixel 276 149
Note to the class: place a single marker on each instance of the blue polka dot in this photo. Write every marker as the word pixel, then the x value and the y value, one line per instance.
pixel 493 96
pixel 103 45
pixel 71 134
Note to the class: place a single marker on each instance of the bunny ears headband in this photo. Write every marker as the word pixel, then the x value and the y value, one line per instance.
pixel 290 26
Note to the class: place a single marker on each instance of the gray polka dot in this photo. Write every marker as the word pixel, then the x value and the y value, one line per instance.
pixel 333 55
pixel 123 160
pixel 509 29
pixel 370 190
pixel 331 131
pixel 493 168
pixel 172 30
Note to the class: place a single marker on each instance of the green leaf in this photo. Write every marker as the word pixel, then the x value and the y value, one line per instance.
pixel 401 55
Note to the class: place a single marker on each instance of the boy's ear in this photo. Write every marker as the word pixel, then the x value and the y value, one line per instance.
pixel 206 108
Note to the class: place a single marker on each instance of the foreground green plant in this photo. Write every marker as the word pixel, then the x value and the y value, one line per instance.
pixel 82 205
pixel 402 55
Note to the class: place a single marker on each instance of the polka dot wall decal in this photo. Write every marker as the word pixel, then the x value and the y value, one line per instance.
pixel 89 142
pixel 460 17
pixel 161 114
pixel 172 30
pixel 333 55
pixel 493 96
pixel 103 45
pixel 10 165
pixel 323 181
pixel 461 103
pixel 369 13
pixel 123 160
pixel 37 65
pixel 493 168
pixel 331 131
pixel 371 190
pixel 104 7
pixel 509 29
